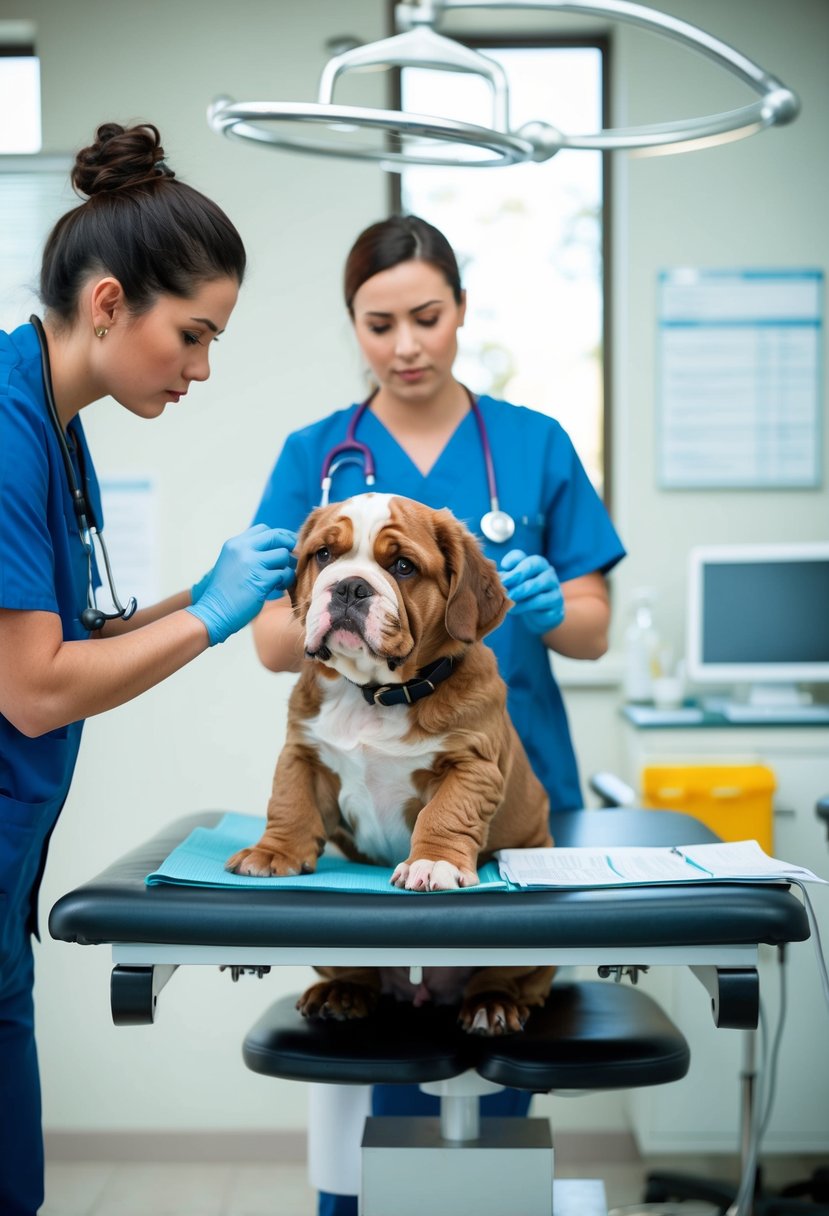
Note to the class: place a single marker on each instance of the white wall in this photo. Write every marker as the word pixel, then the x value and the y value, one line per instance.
pixel 758 202
pixel 208 738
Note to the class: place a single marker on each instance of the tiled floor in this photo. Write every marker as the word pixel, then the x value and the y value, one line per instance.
pixel 90 1189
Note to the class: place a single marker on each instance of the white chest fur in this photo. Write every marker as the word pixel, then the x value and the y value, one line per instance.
pixel 363 744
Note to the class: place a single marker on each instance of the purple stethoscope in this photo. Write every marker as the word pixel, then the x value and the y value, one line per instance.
pixel 496 525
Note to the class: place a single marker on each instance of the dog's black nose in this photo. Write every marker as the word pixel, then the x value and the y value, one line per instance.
pixel 349 590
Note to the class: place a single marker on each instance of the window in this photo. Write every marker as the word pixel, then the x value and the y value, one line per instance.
pixel 19 90
pixel 530 238
pixel 34 188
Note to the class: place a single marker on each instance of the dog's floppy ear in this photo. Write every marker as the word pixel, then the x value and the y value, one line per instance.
pixel 477 602
pixel 302 556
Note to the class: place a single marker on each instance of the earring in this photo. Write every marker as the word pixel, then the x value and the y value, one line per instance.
pixel 101 331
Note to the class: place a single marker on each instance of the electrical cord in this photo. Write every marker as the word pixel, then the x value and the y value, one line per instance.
pixel 816 940
pixel 765 1090
pixel 770 1067
pixel 767 1077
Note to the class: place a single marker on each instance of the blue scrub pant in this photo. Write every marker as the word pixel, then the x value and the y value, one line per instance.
pixel 411 1100
pixel 21 1138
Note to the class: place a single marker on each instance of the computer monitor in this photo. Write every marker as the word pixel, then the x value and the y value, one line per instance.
pixel 758 615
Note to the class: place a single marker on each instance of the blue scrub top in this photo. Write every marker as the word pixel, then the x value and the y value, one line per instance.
pixel 43 567
pixel 541 483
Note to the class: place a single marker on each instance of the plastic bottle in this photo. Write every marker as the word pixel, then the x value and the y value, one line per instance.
pixel 641 648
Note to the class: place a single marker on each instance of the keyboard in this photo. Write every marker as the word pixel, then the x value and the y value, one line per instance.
pixel 650 715
pixel 784 715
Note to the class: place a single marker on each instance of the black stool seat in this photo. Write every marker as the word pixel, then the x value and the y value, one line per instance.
pixel 398 1044
pixel 589 1035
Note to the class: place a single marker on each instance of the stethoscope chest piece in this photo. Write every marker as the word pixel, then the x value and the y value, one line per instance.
pixel 497 526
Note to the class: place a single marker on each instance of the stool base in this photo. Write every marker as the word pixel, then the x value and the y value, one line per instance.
pixel 408 1169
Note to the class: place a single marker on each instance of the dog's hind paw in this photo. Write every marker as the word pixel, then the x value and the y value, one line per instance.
pixel 492 1016
pixel 340 1000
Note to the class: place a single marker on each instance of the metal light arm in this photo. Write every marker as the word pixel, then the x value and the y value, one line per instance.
pixel 423 48
pixel 426 139
pixel 777 104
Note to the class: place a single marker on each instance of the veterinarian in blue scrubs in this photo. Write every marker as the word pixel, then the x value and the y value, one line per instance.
pixel 404 295
pixel 135 282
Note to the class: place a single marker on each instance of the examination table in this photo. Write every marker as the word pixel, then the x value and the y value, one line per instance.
pixel 597 1034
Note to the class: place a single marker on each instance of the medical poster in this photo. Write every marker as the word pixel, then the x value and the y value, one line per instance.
pixel 738 379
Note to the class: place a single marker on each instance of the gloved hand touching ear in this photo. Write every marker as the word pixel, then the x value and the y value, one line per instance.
pixel 249 567
pixel 532 585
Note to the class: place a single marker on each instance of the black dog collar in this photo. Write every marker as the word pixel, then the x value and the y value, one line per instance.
pixel 422 685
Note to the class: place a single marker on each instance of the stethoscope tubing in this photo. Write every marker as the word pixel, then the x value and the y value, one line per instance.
pixel 353 451
pixel 84 514
pixel 80 505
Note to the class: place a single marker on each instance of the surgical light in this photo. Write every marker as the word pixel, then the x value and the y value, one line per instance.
pixel 323 128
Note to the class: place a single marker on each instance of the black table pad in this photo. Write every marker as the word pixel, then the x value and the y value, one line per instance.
pixel 117 906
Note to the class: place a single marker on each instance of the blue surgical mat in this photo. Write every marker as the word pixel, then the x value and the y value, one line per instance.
pixel 199 861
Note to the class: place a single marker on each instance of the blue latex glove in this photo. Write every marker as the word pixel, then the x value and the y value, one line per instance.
pixel 532 585
pixel 249 567
pixel 197 590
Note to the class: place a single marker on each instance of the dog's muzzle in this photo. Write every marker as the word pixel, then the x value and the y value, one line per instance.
pixel 351 596
pixel 351 601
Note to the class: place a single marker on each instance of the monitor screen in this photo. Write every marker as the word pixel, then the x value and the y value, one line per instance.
pixel 759 614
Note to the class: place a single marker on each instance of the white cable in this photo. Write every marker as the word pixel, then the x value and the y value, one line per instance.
pixel 768 1078
pixel 775 1050
pixel 764 1094
pixel 818 944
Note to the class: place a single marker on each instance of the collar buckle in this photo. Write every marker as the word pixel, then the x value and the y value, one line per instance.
pixel 422 685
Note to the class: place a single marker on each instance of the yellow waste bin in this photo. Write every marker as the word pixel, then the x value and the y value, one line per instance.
pixel 734 800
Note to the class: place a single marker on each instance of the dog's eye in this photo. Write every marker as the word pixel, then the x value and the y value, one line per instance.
pixel 403 568
pixel 323 555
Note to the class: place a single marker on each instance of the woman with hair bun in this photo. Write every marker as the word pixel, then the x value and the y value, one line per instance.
pixel 136 283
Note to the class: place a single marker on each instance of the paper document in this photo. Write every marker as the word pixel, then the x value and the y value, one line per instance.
pixel 738 861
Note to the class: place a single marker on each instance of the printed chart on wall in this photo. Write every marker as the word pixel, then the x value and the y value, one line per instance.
pixel 738 379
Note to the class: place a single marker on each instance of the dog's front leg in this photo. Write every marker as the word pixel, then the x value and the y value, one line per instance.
pixel 451 829
pixel 295 835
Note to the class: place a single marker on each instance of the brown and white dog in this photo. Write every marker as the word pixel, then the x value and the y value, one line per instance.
pixel 399 749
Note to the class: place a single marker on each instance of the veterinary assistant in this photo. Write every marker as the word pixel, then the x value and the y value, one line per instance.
pixel 425 442
pixel 136 282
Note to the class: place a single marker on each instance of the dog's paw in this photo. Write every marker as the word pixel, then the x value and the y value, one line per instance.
pixel 266 863
pixel 425 875
pixel 337 999
pixel 492 1015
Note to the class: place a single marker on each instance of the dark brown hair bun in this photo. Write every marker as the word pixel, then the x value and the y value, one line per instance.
pixel 119 158
pixel 140 223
